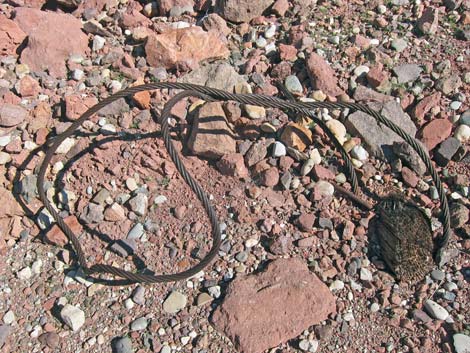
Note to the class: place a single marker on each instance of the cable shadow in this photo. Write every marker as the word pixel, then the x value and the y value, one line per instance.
pixel 60 184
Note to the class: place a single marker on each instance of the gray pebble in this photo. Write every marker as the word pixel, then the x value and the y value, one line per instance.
pixel 438 275
pixel 242 256
pixel 303 345
pixel 174 303
pixel 5 331
pixel 138 296
pixel 366 275
pixel 123 345
pixel 139 204
pixel 139 324
pixel 279 149
pixel 293 84
pixel 461 343
pixel 399 44
pixel 136 232
pixel 214 291
pixel 435 310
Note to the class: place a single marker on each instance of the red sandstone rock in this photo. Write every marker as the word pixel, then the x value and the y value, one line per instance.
pixel 241 10
pixel 184 48
pixel 409 177
pixel 263 310
pixel 55 235
pixel 233 164
pixel 323 76
pixel 76 105
pixel 270 177
pixel 28 87
pixel 49 39
pixel 305 221
pixel 11 36
pixel 287 52
pixel 377 76
pixel 435 132
pixel 211 136
pixel 280 7
pixel 425 105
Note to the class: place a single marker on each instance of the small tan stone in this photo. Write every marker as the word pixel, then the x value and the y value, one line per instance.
pixel 297 136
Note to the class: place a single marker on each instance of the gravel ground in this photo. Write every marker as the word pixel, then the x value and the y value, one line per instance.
pixel 269 175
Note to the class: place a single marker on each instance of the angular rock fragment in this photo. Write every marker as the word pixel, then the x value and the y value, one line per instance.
pixel 322 76
pixel 216 75
pixel 211 136
pixel 378 138
pixel 241 10
pixel 184 48
pixel 286 295
pixel 12 115
pixel 11 36
pixel 49 44
pixel 233 164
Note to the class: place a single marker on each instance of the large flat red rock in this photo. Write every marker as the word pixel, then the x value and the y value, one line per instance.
pixel 262 310
pixel 184 48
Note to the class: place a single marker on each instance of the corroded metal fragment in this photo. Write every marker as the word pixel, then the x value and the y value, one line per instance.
pixel 405 240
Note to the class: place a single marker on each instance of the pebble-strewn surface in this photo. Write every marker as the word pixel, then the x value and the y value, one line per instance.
pixel 288 237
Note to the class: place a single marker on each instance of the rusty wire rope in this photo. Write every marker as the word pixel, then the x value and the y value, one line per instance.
pixel 212 94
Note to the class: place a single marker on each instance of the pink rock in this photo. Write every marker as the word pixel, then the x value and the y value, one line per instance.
pixel 11 36
pixel 9 206
pixel 12 115
pixel 269 177
pixel 287 52
pixel 57 237
pixel 435 132
pixel 76 105
pixel 217 23
pixel 184 48
pixel 133 16
pixel 49 39
pixel 409 177
pixel 98 5
pixel 322 76
pixel 305 221
pixel 364 94
pixel 280 7
pixel 211 136
pixel 425 105
pixel 233 164
pixel 377 76
pixel 361 41
pixel 241 10
pixel 37 4
pixel 175 7
pixel 322 173
pixel 261 311
pixel 28 87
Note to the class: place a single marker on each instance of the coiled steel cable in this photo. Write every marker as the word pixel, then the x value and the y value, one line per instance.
pixel 212 94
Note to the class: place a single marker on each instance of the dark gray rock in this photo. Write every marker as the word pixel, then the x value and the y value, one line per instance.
pixel 446 150
pixel 122 345
pixel 409 157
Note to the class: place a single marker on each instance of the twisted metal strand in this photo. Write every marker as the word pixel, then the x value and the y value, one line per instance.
pixel 212 94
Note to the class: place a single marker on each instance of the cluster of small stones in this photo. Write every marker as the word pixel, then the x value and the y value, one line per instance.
pixel 406 59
